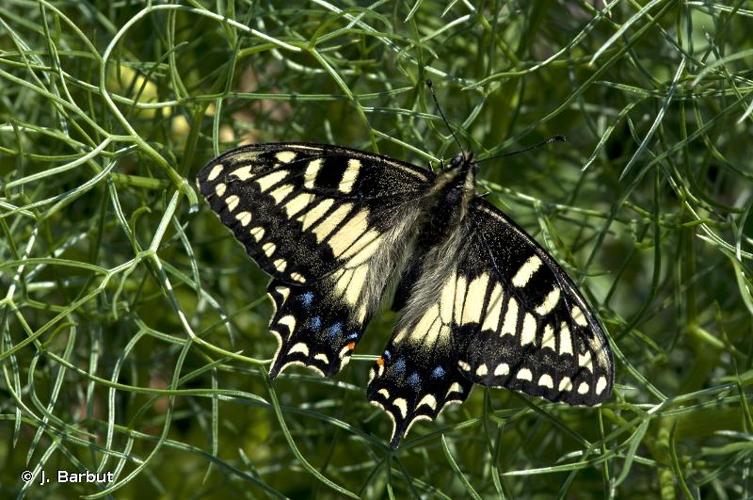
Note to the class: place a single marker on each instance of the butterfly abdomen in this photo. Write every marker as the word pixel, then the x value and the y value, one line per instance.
pixel 427 272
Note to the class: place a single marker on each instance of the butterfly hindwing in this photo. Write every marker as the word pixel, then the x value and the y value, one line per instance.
pixel 418 373
pixel 312 327
pixel 321 220
pixel 535 332
pixel 414 379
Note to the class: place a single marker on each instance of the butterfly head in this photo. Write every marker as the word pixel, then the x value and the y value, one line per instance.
pixel 461 161
pixel 454 188
pixel 462 170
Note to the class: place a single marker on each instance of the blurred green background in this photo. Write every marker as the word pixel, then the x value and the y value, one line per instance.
pixel 133 327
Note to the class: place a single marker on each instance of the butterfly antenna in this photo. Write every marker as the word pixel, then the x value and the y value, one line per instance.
pixel 441 113
pixel 556 138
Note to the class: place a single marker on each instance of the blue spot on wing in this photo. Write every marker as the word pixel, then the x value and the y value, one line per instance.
pixel 315 323
pixel 414 380
pixel 438 372
pixel 307 299
pixel 399 366
pixel 353 336
pixel 333 331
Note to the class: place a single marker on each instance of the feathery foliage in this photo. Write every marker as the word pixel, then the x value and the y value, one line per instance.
pixel 133 328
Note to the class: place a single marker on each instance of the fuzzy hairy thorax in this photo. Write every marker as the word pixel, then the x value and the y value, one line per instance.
pixel 430 240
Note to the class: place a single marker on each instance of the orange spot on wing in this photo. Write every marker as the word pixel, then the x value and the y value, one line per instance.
pixel 380 361
pixel 352 346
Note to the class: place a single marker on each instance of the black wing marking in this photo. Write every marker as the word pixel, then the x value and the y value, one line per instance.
pixel 324 221
pixel 533 331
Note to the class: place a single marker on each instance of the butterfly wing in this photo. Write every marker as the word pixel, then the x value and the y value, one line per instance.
pixel 491 308
pixel 326 223
pixel 535 332
pixel 417 375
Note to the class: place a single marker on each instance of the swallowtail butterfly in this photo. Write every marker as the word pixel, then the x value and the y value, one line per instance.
pixel 480 301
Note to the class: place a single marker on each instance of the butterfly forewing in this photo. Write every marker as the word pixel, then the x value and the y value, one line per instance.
pixel 321 221
pixel 535 334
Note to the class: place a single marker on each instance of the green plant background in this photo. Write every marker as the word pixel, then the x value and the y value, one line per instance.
pixel 133 327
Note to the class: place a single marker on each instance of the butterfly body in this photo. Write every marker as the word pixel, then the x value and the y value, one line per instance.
pixel 479 300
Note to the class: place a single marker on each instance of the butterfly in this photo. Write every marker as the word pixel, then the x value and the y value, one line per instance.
pixel 479 300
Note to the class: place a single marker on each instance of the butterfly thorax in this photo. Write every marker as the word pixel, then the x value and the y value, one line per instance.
pixel 446 202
